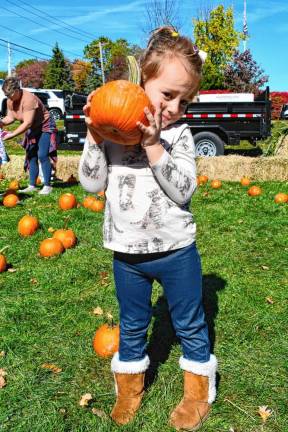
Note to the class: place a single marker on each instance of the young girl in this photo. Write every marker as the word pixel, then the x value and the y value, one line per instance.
pixel 152 232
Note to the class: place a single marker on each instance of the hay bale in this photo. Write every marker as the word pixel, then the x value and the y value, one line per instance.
pixel 282 147
pixel 230 168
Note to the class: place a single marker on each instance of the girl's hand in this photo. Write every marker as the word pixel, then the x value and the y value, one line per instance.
pixel 92 134
pixel 151 133
pixel 7 136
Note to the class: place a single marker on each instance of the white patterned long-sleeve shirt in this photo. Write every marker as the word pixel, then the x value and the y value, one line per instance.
pixel 147 206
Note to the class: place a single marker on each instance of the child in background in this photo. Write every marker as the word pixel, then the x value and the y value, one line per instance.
pixel 4 158
pixel 149 226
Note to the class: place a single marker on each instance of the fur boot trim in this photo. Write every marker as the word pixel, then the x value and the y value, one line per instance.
pixel 129 367
pixel 205 369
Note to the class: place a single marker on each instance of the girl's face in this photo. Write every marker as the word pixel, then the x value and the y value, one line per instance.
pixel 173 88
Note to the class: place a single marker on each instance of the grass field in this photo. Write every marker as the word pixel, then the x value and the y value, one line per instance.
pixel 46 316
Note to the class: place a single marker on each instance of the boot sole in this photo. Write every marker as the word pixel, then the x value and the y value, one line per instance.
pixel 194 428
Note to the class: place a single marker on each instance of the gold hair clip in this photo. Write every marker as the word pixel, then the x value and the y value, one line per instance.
pixel 174 34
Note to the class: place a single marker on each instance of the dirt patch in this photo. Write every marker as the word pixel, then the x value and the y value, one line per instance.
pixel 230 168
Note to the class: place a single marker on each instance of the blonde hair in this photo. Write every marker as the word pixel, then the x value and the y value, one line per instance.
pixel 166 42
pixel 10 85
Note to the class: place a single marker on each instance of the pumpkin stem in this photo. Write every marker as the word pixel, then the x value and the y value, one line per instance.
pixel 134 70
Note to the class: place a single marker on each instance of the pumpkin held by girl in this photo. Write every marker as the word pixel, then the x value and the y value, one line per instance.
pixel 116 107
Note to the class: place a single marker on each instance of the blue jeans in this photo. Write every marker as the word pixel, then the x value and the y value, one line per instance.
pixel 181 278
pixel 40 151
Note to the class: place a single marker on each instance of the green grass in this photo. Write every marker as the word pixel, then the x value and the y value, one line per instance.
pixel 46 316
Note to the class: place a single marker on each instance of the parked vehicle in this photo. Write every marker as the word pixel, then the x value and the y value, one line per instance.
pixel 214 122
pixel 55 101
pixel 284 112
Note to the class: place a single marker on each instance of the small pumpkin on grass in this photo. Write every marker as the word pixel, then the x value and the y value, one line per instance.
pixel 87 202
pixel 67 201
pixel 106 340
pixel 281 198
pixel 97 205
pixel 10 200
pixel 28 225
pixel 3 260
pixel 202 179
pixel 51 247
pixel 254 191
pixel 66 236
pixel 14 184
pixel 245 181
pixel 216 184
pixel 116 107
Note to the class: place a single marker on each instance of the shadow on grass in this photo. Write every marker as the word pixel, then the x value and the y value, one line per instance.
pixel 163 336
pixel 253 152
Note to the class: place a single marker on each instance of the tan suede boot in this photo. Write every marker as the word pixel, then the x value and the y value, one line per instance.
pixel 199 393
pixel 129 384
pixel 130 392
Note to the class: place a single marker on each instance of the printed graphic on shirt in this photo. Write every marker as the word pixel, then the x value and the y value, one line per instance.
pixel 184 142
pixel 91 164
pixel 157 245
pixel 171 173
pixel 156 211
pixel 141 246
pixel 109 224
pixel 126 190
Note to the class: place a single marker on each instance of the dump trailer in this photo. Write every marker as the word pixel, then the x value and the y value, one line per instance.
pixel 215 120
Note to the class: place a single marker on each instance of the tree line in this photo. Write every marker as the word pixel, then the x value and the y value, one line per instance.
pixel 226 67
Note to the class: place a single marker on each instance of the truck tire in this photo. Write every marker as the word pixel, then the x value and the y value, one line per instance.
pixel 55 113
pixel 208 144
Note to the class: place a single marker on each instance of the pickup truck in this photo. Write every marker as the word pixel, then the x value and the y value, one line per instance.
pixel 214 123
pixel 284 112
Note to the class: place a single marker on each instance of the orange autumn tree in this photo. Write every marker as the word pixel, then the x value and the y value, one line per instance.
pixel 80 71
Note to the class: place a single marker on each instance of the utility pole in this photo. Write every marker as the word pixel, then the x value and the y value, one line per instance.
pixel 101 61
pixel 245 27
pixel 9 58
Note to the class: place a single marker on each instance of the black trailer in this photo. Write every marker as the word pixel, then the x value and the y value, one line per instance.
pixel 213 124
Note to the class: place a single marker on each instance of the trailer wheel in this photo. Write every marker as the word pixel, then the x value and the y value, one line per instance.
pixel 208 144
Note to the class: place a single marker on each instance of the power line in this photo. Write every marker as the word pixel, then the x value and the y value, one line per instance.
pixel 37 23
pixel 74 29
pixel 23 52
pixel 28 49
pixel 36 40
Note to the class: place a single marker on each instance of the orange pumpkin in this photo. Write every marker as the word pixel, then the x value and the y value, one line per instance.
pixel 14 185
pixel 51 247
pixel 216 184
pixel 106 340
pixel 202 179
pixel 101 193
pixel 38 181
pixel 281 198
pixel 28 225
pixel 10 200
pixel 116 107
pixel 3 263
pixel 67 201
pixel 66 236
pixel 87 202
pixel 97 205
pixel 245 181
pixel 254 191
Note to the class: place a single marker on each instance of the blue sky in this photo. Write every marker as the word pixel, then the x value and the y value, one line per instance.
pixel 39 28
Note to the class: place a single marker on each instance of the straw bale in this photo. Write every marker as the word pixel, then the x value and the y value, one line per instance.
pixel 230 167
pixel 282 147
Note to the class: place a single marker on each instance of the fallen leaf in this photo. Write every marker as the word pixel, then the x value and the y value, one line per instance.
pixel 269 300
pixel 98 311
pixel 2 372
pixel 99 413
pixel 85 399
pixel 109 316
pixel 11 270
pixel 264 267
pixel 264 412
pixel 103 276
pixel 205 194
pixel 2 353
pixel 51 230
pixel 2 382
pixel 63 411
pixel 240 221
pixel 34 281
pixel 50 366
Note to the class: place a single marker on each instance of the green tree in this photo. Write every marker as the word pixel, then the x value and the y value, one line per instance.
pixel 3 74
pixel 215 34
pixel 113 54
pixel 58 73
